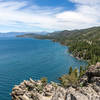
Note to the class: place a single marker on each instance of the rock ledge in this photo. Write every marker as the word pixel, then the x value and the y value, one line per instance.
pixel 36 90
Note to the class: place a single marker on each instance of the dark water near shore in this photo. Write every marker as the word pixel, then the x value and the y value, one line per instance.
pixel 22 58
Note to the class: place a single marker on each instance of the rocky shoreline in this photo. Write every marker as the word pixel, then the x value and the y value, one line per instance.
pixel 87 89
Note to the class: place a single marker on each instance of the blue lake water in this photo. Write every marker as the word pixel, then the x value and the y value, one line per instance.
pixel 22 58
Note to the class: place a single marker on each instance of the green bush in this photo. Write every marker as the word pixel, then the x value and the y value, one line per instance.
pixel 44 81
pixel 69 79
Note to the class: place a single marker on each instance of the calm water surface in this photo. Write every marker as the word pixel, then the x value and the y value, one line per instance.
pixel 22 58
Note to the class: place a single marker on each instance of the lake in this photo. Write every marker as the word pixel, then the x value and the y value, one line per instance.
pixel 24 58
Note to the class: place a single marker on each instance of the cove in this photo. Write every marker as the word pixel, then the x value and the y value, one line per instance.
pixel 22 58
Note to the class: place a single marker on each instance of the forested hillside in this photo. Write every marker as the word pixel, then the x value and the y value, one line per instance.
pixel 83 44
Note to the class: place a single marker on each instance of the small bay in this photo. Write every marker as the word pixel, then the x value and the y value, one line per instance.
pixel 24 58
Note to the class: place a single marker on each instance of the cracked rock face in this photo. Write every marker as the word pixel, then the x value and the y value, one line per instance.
pixel 35 90
pixel 85 93
pixel 59 94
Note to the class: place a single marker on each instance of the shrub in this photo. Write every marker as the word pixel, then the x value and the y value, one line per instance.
pixel 44 81
pixel 69 79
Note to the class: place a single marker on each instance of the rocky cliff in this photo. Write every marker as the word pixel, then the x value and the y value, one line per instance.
pixel 88 88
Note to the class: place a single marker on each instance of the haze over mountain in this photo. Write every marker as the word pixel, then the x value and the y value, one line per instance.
pixel 14 34
pixel 89 33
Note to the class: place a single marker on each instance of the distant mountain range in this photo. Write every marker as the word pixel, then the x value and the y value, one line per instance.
pixel 90 33
pixel 11 34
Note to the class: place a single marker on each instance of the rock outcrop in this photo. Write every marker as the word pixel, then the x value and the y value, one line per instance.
pixel 88 88
pixel 35 90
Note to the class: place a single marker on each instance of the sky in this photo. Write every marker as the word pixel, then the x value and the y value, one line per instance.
pixel 48 15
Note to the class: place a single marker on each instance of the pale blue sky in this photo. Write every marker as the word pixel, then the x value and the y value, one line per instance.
pixel 48 15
